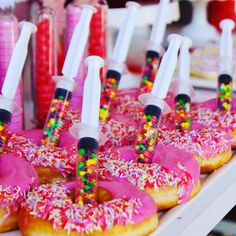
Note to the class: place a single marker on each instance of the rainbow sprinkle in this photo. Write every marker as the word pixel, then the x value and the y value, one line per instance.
pixel 52 202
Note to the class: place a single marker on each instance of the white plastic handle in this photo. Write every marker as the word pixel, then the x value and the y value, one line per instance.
pixel 226 47
pixel 167 67
pixel 78 43
pixel 184 59
pixel 184 66
pixel 125 34
pixel 17 61
pixel 159 27
pixel 92 92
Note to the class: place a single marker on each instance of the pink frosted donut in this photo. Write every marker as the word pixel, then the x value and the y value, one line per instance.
pixel 119 131
pixel 172 177
pixel 50 163
pixel 16 177
pixel 63 163
pixel 206 113
pixel 122 208
pixel 210 146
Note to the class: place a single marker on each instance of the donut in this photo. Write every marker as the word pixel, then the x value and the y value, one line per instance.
pixel 210 146
pixel 206 113
pixel 118 132
pixel 16 177
pixel 126 103
pixel 203 61
pixel 171 179
pixel 63 163
pixel 50 163
pixel 120 209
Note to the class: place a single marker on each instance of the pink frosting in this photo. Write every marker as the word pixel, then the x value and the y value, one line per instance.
pixel 201 142
pixel 36 134
pixel 17 172
pixel 170 157
pixel 126 103
pixel 212 104
pixel 171 167
pixel 119 131
pixel 16 177
pixel 167 156
pixel 128 206
pixel 124 189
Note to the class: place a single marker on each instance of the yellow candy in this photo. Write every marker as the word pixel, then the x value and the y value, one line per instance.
pixel 149 84
pixel 151 142
pixel 67 103
pixel 146 127
pixel 52 121
pixel 54 101
pixel 227 95
pixel 141 155
pixel 1 128
pixel 150 148
pixel 139 138
pixel 91 161
pixel 103 114
pixel 82 173
pixel 52 109
pixel 112 95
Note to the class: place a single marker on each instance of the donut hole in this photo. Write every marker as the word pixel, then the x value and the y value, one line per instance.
pixel 103 195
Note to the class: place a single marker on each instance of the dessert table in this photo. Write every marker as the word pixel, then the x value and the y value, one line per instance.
pixel 201 214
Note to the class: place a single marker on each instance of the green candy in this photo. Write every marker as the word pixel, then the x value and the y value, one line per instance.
pixel 82 151
pixel 141 147
pixel 93 155
pixel 81 165
pixel 86 187
pixel 148 117
pixel 83 179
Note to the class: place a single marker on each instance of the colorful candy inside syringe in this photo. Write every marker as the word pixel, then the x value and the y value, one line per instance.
pixel 150 71
pixel 5 120
pixel 182 112
pixel 224 94
pixel 86 177
pixel 55 119
pixel 109 93
pixel 148 133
